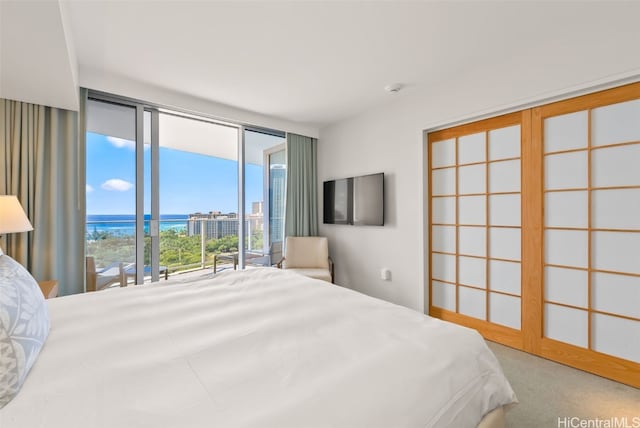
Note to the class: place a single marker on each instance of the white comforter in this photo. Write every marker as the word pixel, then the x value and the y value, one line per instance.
pixel 261 348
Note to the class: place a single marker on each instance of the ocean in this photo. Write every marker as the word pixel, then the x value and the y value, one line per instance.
pixel 124 225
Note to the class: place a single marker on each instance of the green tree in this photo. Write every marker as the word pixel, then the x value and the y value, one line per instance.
pixel 177 250
pixel 256 239
pixel 226 244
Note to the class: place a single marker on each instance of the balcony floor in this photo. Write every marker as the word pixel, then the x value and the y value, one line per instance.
pixel 191 275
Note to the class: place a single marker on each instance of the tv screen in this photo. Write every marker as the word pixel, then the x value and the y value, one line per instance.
pixel 337 194
pixel 355 200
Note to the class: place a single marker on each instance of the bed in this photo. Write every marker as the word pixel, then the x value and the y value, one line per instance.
pixel 258 348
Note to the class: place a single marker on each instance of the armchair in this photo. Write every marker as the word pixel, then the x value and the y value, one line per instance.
pixel 309 256
pixel 99 279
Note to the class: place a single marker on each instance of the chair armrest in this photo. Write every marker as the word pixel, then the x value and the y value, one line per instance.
pixel 92 279
pixel 331 269
pixel 122 275
pixel 279 264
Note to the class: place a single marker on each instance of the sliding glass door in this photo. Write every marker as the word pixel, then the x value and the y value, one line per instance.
pixel 198 193
pixel 276 177
pixel 264 171
pixel 110 189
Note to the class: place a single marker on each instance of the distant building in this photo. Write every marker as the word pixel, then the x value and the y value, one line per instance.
pixel 277 186
pixel 256 207
pixel 216 225
pixel 255 220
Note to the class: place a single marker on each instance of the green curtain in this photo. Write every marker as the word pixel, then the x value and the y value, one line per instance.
pixel 39 159
pixel 301 217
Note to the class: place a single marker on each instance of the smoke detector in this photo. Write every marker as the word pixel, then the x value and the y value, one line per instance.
pixel 393 88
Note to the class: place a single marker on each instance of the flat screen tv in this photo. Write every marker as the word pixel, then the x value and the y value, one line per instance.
pixel 355 200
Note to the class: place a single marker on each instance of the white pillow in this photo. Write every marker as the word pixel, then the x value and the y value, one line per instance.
pixel 24 326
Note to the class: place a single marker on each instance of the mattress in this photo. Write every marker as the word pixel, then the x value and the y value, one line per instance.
pixel 262 347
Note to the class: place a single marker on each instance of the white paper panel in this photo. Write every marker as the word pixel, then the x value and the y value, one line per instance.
pixel 443 267
pixel 566 247
pixel 566 324
pixel 616 336
pixel 443 181
pixel 443 295
pixel 504 276
pixel 616 294
pixel 472 179
pixel 504 210
pixel 565 171
pixel 504 310
pixel 504 143
pixel 443 238
pixel 616 251
pixel 616 209
pixel 443 153
pixel 616 166
pixel 472 302
pixel 471 148
pixel 568 286
pixel 567 209
pixel 472 210
pixel 616 123
pixel 504 176
pixel 566 132
pixel 504 243
pixel 472 271
pixel 443 210
pixel 472 241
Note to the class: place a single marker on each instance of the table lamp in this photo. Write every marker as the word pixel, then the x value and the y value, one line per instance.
pixel 12 217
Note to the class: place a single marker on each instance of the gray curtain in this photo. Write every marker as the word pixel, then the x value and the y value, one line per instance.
pixel 39 163
pixel 301 217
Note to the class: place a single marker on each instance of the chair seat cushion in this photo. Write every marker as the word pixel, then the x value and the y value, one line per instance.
pixel 322 274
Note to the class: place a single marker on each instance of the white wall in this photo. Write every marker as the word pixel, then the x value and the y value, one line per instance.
pixel 390 139
pixel 378 142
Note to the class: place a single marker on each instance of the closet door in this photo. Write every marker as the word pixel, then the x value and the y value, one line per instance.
pixel 535 230
pixel 591 271
pixel 476 226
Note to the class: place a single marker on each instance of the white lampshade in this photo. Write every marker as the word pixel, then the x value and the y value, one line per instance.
pixel 12 217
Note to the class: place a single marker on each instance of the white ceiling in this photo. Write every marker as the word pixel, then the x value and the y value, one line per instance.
pixel 312 62
pixel 36 64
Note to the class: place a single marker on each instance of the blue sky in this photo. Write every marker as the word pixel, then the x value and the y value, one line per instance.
pixel 188 182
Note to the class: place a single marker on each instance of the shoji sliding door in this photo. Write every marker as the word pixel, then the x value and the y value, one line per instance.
pixel 535 230
pixel 476 227
pixel 591 272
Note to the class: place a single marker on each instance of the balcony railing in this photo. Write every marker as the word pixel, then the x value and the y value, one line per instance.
pixel 184 244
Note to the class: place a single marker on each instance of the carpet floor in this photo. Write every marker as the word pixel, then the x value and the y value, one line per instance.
pixel 551 394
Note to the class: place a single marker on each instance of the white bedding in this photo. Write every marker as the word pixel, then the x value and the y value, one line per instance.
pixel 260 348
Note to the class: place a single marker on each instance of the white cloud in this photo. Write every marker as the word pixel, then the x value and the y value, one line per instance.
pixel 122 143
pixel 117 185
pixel 90 188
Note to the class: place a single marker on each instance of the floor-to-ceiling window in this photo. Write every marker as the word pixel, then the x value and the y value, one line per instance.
pixel 277 179
pixel 111 186
pixel 261 185
pixel 169 192
pixel 198 192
